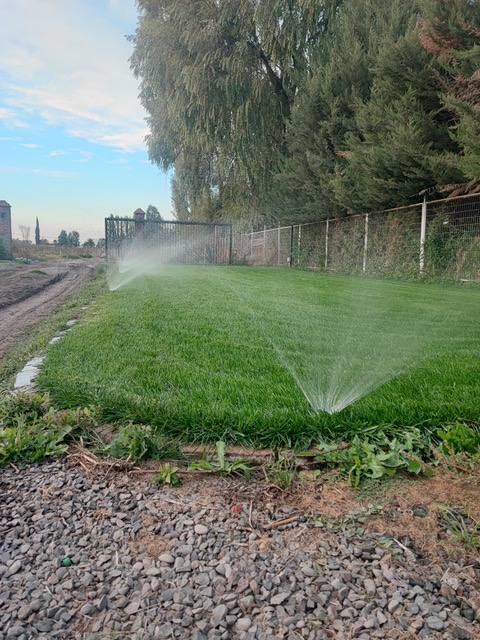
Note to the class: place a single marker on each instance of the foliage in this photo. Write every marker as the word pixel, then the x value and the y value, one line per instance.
pixel 282 471
pixel 152 213
pixel 70 239
pixel 459 438
pixel 37 232
pixel 278 110
pixel 374 458
pixel 167 474
pixel 137 441
pixel 62 239
pixel 30 427
pixel 218 81
pixel 222 464
pixel 458 525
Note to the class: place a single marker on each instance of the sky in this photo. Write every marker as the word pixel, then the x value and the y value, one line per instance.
pixel 72 128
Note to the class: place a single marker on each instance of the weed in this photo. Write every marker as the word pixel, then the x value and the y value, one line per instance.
pixel 459 438
pixel 222 464
pixel 456 523
pixel 365 459
pixel 31 429
pixel 137 441
pixel 167 474
pixel 282 472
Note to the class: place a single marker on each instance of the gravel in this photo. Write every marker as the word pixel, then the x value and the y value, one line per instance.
pixel 84 557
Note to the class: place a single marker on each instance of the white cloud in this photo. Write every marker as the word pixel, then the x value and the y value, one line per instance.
pixel 29 145
pixel 68 64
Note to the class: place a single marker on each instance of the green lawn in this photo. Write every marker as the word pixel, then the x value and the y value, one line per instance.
pixel 256 355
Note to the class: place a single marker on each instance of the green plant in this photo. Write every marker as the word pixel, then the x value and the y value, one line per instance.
pixel 282 471
pixel 365 459
pixel 459 438
pixel 134 441
pixel 31 429
pixel 167 474
pixel 137 441
pixel 456 523
pixel 222 464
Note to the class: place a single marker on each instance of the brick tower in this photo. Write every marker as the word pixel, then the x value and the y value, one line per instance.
pixel 5 231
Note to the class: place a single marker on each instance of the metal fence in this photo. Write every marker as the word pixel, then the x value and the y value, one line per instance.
pixel 439 239
pixel 173 242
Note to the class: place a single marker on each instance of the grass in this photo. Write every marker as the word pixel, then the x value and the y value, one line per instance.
pixel 211 353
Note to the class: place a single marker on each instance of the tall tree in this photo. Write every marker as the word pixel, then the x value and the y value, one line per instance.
pixel 450 31
pixel 370 130
pixel 62 240
pixel 37 233
pixel 73 239
pixel 218 80
pixel 326 112
pixel 152 213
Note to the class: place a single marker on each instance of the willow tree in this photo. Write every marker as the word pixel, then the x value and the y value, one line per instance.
pixel 218 81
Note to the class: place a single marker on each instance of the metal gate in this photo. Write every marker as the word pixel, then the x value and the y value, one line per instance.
pixel 172 241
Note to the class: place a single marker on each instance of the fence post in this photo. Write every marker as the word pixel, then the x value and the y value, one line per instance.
pixel 290 258
pixel 264 244
pixel 230 244
pixel 299 243
pixel 365 244
pixel 106 239
pixel 423 231
pixel 278 247
pixel 326 244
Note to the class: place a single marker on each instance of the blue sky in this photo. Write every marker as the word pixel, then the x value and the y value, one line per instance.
pixel 72 128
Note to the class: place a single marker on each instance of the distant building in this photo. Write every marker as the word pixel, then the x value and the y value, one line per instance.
pixel 5 231
pixel 139 217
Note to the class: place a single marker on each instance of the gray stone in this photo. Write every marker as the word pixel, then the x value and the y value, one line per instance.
pixel 132 608
pixel 219 613
pixel 200 529
pixel 433 622
pixel 280 597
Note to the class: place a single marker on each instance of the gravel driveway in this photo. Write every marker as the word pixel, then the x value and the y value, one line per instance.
pixel 95 557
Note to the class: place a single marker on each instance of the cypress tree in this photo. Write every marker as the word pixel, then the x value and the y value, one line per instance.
pixel 37 233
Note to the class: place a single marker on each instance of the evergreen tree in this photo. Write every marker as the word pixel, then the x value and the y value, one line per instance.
pixel 62 240
pixel 450 31
pixel 73 239
pixel 152 213
pixel 325 114
pixel 37 233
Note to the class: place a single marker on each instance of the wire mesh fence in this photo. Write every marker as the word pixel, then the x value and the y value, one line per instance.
pixel 172 242
pixel 439 239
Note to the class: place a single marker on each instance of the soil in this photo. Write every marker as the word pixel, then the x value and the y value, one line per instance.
pixel 29 293
pixel 407 511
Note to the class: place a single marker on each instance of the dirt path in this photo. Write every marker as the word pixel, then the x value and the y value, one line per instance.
pixel 30 293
